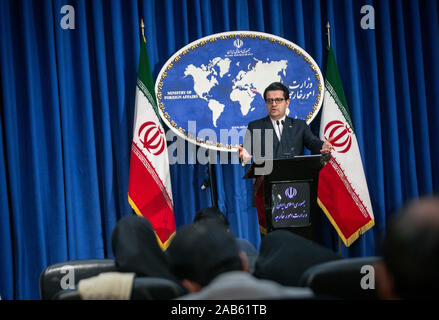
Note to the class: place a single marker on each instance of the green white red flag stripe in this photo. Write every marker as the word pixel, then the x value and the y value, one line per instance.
pixel 343 194
pixel 149 188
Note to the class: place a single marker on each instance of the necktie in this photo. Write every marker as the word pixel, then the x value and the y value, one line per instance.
pixel 278 129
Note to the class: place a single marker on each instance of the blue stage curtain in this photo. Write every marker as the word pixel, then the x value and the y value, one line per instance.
pixel 67 103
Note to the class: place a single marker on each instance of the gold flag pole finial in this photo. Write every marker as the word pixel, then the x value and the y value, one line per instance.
pixel 329 34
pixel 142 26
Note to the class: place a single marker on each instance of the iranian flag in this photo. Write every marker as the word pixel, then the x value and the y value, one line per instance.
pixel 149 189
pixel 342 192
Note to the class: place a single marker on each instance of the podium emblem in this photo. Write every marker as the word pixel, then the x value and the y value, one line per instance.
pixel 291 192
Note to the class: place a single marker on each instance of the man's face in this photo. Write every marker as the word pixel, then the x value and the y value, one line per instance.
pixel 276 110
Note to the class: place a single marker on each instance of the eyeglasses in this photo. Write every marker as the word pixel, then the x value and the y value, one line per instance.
pixel 277 100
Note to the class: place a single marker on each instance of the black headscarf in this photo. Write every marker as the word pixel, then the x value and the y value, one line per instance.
pixel 284 256
pixel 201 251
pixel 136 249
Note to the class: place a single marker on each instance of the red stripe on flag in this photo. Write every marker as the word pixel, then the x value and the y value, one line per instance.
pixel 150 197
pixel 341 204
pixel 150 168
pixel 259 194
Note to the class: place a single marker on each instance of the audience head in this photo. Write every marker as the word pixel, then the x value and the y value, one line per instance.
pixel 285 256
pixel 201 251
pixel 136 249
pixel 212 214
pixel 411 253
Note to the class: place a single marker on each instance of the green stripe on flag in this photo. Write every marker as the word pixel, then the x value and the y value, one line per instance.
pixel 335 88
pixel 144 81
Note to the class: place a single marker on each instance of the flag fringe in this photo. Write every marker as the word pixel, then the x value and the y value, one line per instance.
pixel 347 242
pixel 162 245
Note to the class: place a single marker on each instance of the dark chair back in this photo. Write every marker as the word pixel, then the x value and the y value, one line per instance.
pixel 342 278
pixel 144 288
pixel 150 288
pixel 55 276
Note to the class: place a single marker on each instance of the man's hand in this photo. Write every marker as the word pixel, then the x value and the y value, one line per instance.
pixel 244 155
pixel 326 147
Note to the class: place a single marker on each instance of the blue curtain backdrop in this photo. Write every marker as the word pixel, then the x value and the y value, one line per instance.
pixel 67 103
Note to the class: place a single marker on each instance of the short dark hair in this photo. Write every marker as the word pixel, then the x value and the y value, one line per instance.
pixel 411 250
pixel 277 86
pixel 212 214
pixel 201 251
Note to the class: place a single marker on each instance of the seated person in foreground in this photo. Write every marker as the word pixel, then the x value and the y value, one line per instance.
pixel 214 214
pixel 136 249
pixel 285 256
pixel 137 254
pixel 409 269
pixel 207 260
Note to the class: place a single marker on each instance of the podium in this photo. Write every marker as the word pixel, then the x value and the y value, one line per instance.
pixel 290 192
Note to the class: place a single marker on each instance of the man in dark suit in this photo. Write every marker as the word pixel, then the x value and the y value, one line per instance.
pixel 289 136
pixel 277 137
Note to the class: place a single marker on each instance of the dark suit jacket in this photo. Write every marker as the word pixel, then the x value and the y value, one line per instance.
pixel 295 136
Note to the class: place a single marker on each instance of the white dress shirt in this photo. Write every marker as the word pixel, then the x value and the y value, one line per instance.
pixel 278 128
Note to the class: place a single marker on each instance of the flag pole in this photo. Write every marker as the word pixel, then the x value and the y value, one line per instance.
pixel 328 33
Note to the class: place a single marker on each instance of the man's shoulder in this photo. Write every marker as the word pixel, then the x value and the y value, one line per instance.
pixel 296 121
pixel 257 123
pixel 262 122
pixel 242 285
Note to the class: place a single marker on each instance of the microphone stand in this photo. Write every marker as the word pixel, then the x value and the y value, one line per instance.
pixel 210 182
